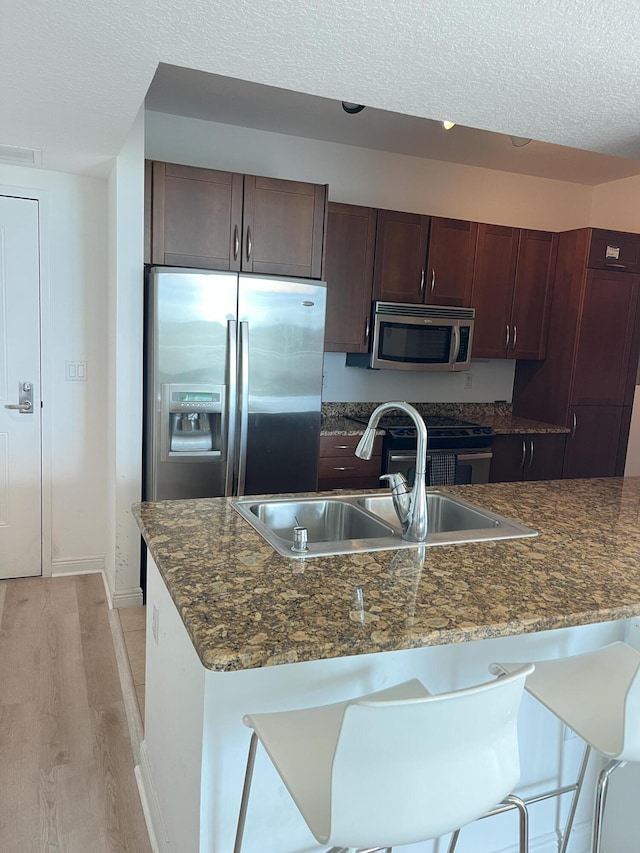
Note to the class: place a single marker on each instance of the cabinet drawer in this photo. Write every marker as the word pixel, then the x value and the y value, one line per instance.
pixel 336 467
pixel 345 445
pixel 616 250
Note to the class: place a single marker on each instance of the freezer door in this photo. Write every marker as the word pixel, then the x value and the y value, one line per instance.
pixel 281 337
pixel 191 316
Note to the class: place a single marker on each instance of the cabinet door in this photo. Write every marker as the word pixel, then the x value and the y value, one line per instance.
pixel 606 340
pixel 492 293
pixel 509 454
pixel 284 224
pixel 614 250
pixel 351 234
pixel 452 249
pixel 399 268
pixel 196 217
pixel 592 447
pixel 537 251
pixel 545 456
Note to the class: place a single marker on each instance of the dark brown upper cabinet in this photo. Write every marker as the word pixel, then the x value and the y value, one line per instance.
pixel 400 257
pixel 196 217
pixel 423 259
pixel 452 248
pixel 284 225
pixel 603 372
pixel 532 292
pixel 225 221
pixel 614 250
pixel 512 287
pixel 351 234
pixel 492 292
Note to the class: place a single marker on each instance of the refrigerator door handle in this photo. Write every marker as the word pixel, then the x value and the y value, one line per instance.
pixel 232 403
pixel 243 406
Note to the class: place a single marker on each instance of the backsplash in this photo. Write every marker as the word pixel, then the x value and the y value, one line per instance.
pixel 465 411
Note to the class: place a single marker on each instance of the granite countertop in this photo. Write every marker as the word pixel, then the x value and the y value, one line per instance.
pixel 244 606
pixel 510 425
pixel 502 421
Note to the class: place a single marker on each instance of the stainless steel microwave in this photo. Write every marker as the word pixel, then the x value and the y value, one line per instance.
pixel 418 337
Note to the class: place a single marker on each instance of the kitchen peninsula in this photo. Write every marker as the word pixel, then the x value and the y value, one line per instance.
pixel 234 628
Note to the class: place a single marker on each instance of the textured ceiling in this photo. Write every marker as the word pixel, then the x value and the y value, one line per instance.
pixel 75 73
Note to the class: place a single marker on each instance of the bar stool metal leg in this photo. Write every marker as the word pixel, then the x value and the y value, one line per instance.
pixel 510 802
pixel 574 800
pixel 601 796
pixel 251 760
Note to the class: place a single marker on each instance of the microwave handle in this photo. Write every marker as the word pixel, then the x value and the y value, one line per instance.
pixel 456 343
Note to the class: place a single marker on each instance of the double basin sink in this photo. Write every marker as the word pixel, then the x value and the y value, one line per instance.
pixel 351 524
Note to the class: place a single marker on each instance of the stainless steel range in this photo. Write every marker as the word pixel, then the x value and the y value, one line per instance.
pixel 458 451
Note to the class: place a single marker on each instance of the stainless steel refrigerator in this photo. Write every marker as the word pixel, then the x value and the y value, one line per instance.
pixel 233 379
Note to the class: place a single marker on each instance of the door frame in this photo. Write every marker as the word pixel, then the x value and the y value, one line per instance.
pixel 44 242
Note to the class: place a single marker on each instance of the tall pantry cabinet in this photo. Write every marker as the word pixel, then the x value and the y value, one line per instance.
pixel 587 379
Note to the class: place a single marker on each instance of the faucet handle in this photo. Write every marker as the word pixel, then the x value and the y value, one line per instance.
pixel 397 483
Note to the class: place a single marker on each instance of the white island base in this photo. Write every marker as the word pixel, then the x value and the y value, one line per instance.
pixel 194 750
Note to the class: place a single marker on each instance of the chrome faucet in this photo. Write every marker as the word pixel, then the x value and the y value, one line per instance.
pixel 410 504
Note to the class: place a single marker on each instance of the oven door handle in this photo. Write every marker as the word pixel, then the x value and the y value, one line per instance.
pixel 402 457
pixel 469 457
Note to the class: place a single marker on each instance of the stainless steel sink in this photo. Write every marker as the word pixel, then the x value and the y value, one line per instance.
pixel 327 520
pixel 356 523
pixel 446 514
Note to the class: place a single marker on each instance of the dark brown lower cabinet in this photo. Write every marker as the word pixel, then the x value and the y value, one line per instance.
pixel 340 468
pixel 597 445
pixel 527 456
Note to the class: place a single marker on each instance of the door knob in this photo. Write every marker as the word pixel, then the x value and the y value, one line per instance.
pixel 25 399
pixel 20 407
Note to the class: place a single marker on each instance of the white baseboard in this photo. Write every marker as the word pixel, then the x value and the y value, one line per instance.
pixel 151 805
pixel 131 597
pixel 77 566
pixel 550 841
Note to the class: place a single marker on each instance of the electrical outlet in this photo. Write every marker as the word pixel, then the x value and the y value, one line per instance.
pixel 155 621
pixel 468 380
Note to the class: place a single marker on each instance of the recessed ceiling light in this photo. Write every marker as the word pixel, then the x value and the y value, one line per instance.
pixel 350 108
pixel 448 124
pixel 519 141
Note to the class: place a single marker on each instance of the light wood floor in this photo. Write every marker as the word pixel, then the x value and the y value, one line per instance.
pixel 67 782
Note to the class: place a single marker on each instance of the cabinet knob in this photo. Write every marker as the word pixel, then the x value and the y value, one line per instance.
pixel 249 243
pixel 422 281
pixel 515 336
pixel 507 340
pixel 524 450
pixel 574 425
pixel 530 454
pixel 433 280
pixel 236 243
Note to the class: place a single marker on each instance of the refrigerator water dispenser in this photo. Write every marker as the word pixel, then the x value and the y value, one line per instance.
pixel 192 418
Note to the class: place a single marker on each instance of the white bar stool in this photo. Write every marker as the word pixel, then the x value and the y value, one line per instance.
pixel 398 766
pixel 596 694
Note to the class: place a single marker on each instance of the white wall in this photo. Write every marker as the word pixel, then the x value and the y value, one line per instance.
pixel 73 238
pixel 486 381
pixel 126 232
pixel 375 178
pixel 380 179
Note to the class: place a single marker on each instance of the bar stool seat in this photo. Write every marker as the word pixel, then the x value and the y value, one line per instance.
pixel 398 766
pixel 596 694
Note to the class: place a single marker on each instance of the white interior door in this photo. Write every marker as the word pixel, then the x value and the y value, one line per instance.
pixel 20 415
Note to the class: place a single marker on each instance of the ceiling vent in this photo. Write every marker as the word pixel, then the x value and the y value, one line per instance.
pixel 20 156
